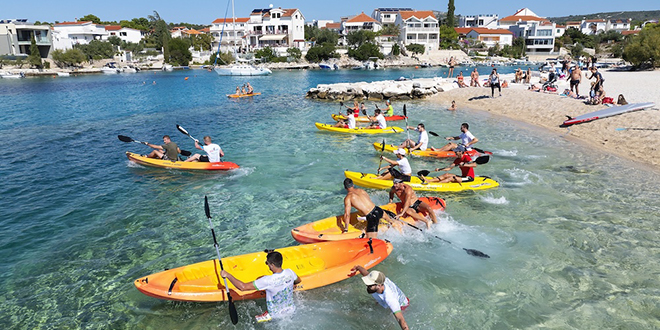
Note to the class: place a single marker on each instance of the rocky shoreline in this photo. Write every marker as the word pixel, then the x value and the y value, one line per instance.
pixel 379 90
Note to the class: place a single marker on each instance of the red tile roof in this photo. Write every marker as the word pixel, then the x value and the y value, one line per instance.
pixel 464 30
pixel 333 26
pixel 630 32
pixel 573 23
pixel 112 27
pixel 192 31
pixel 205 30
pixel 490 31
pixel 229 20
pixel 514 18
pixel 595 20
pixel 420 14
pixel 361 18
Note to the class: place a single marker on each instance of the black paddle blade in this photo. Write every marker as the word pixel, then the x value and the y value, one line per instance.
pixel 186 153
pixel 424 173
pixel 233 314
pixel 405 112
pixel 482 159
pixel 382 148
pixel 433 133
pixel 206 207
pixel 182 130
pixel 364 112
pixel 341 104
pixel 476 253
pixel 124 138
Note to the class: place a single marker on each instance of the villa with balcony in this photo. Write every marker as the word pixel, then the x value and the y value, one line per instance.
pixel 16 37
pixel 539 33
pixel 276 28
pixel 232 31
pixel 419 27
pixel 67 34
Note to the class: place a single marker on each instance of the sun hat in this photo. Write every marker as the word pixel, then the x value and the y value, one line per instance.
pixel 374 277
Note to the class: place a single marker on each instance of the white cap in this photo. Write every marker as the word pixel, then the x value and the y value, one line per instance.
pixel 374 277
pixel 400 152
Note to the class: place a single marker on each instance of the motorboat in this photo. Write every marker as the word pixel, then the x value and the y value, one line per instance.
pixel 12 75
pixel 110 68
pixel 325 66
pixel 167 67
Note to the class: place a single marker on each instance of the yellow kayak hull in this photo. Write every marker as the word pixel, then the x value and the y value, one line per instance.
pixel 235 96
pixel 358 130
pixel 368 180
pixel 179 165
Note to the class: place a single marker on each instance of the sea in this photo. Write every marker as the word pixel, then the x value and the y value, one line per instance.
pixel 572 232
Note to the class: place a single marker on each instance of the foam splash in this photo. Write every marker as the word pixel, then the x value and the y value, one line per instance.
pixel 490 199
pixel 240 172
pixel 506 153
pixel 521 177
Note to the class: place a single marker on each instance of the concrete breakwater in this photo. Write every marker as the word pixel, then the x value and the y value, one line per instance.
pixel 379 90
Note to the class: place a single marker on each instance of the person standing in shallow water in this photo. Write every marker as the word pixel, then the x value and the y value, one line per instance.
pixel 386 293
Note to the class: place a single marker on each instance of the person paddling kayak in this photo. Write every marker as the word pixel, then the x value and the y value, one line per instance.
pixel 402 162
pixel 168 151
pixel 213 152
pixel 464 162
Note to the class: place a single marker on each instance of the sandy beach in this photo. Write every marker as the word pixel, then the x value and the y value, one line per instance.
pixel 550 110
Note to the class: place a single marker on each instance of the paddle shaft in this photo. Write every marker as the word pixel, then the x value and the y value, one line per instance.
pixel 124 138
pixel 232 309
pixel 380 162
pixel 405 114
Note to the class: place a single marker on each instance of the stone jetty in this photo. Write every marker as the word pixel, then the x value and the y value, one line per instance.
pixel 379 90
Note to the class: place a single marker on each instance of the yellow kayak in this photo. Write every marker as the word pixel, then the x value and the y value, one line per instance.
pixel 317 265
pixel 180 165
pixel 358 130
pixel 234 96
pixel 368 180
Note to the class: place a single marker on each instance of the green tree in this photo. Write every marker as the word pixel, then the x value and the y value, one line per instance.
pixel 266 54
pixel 365 51
pixel 72 57
pixel 644 48
pixel 96 49
pixel 202 42
pixel 34 59
pixel 294 53
pixel 93 18
pixel 360 37
pixel 321 52
pixel 396 50
pixel 416 48
pixel 115 40
pixel 179 53
pixel 327 36
pixel 389 30
pixel 450 14
pixel 448 37
pixel 161 34
pixel 225 58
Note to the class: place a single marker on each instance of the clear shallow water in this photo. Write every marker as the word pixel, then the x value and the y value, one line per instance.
pixel 572 233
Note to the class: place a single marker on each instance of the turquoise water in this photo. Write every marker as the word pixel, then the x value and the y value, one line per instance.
pixel 572 232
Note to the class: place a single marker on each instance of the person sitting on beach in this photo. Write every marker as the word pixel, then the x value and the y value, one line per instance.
pixel 467 139
pixel 464 162
pixel 411 204
pixel 213 152
pixel 575 77
pixel 599 95
pixel 460 79
pixel 278 287
pixel 453 106
pixel 505 84
pixel 621 100
pixel 168 151
pixel 569 93
pixel 250 90
pixel 422 142
pixel 474 78
pixel 360 200
pixel 401 162
pixel 528 75
pixel 378 121
pixel 534 88
pixel 494 81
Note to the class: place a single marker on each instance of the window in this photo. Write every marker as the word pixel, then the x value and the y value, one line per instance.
pixel 543 33
pixel 123 34
pixel 410 37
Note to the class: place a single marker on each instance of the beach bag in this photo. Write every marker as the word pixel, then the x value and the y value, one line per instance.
pixel 551 89
pixel 608 100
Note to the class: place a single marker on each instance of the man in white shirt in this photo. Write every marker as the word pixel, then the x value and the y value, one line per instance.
pixel 380 120
pixel 386 293
pixel 279 287
pixel 422 142
pixel 213 152
pixel 401 162
pixel 467 139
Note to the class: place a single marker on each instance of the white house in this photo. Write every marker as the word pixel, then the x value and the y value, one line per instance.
pixel 593 26
pixel 618 25
pixel 360 22
pixel 539 33
pixel 232 31
pixel 489 21
pixel 560 30
pixel 387 16
pixel 123 33
pixel 419 27
pixel 67 34
pixel 16 37
pixel 276 28
pixel 491 37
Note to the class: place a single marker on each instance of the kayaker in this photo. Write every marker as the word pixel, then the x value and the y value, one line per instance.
pixel 386 293
pixel 379 121
pixel 360 200
pixel 463 161
pixel 279 287
pixel 411 204
pixel 168 151
pixel 467 139
pixel 422 142
pixel 390 110
pixel 392 173
pixel 213 152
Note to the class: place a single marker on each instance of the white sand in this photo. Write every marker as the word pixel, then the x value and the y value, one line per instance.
pixel 550 110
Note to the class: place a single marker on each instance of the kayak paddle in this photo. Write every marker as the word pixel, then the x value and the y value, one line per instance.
pixel 472 252
pixel 637 129
pixel 125 138
pixel 477 149
pixel 232 309
pixel 183 130
pixel 405 114
pixel 480 161
pixel 382 149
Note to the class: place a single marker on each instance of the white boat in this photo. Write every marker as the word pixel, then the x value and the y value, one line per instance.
pixel 131 69
pixel 242 70
pixel 167 67
pixel 12 75
pixel 325 66
pixel 63 74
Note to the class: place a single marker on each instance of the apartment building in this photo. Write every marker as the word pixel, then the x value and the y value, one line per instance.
pixel 419 27
pixel 67 34
pixel 276 27
pixel 489 21
pixel 232 32
pixel 16 37
pixel 387 16
pixel 539 33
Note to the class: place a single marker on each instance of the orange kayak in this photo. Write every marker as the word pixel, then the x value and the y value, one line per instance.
pixel 235 96
pixel 330 229
pixel 317 265
pixel 154 162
